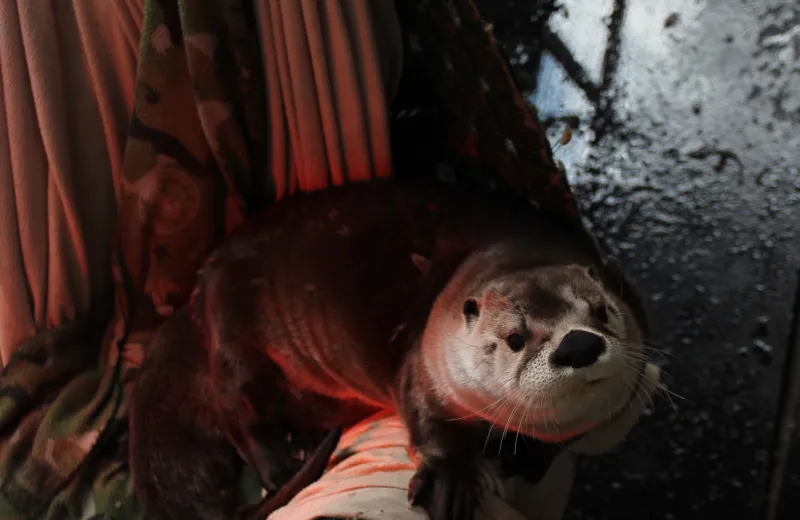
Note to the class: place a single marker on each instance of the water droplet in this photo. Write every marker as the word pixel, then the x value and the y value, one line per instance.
pixel 763 350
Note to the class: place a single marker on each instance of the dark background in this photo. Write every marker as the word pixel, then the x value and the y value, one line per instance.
pixel 686 161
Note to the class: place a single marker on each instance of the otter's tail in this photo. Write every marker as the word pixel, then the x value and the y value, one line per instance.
pixel 310 472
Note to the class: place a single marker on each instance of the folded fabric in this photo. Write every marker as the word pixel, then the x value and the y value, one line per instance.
pixel 369 473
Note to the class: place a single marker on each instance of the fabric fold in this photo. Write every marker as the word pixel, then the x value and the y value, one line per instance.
pixel 67 95
pixel 332 70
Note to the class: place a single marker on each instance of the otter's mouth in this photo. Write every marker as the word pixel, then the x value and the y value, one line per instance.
pixel 626 405
pixel 588 387
pixel 579 432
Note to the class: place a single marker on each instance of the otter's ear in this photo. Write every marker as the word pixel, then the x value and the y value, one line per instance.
pixel 421 263
pixel 593 272
pixel 471 309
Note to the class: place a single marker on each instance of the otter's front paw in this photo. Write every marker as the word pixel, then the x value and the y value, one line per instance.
pixel 445 491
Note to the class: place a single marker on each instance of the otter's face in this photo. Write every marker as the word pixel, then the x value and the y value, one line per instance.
pixel 550 351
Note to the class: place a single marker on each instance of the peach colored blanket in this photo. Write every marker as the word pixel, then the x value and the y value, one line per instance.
pixel 371 483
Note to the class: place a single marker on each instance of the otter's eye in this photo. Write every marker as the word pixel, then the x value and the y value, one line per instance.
pixel 516 342
pixel 602 313
pixel 470 309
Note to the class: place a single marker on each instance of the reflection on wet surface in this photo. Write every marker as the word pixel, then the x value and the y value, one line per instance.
pixel 685 157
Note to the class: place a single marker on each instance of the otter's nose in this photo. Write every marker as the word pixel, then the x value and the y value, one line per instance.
pixel 578 349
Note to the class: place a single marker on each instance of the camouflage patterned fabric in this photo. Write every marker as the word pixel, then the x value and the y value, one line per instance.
pixel 194 145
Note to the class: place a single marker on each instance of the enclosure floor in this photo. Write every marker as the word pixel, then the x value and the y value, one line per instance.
pixel 686 160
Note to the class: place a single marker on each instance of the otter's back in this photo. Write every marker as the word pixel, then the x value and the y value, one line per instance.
pixel 325 283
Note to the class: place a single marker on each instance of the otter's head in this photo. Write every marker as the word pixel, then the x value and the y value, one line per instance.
pixel 547 351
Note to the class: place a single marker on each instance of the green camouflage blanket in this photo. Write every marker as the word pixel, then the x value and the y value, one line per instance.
pixel 195 141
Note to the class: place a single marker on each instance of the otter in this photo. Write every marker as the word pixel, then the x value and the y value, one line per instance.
pixel 472 314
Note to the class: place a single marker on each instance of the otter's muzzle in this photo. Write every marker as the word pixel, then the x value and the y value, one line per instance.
pixel 578 349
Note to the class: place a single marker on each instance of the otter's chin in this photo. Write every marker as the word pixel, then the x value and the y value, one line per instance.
pixel 578 404
pixel 604 397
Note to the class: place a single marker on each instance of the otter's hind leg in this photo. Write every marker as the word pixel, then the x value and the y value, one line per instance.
pixel 182 464
pixel 249 388
pixel 189 476
pixel 251 395
pixel 310 472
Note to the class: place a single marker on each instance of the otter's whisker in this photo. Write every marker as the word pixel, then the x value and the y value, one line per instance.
pixel 488 436
pixel 668 397
pixel 505 430
pixel 519 427
pixel 555 405
pixel 484 360
pixel 636 388
pixel 649 342
pixel 662 351
pixel 669 393
pixel 633 366
pixel 552 404
pixel 487 407
pixel 633 363
pixel 554 422
pixel 675 394
pixel 475 413
pixel 489 433
pixel 639 357
pixel 652 349
pixel 464 342
pixel 649 396
pixel 628 353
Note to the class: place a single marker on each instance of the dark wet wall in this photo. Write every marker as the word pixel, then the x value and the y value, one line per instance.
pixel 686 159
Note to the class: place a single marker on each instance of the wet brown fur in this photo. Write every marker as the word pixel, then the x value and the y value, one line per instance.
pixel 295 327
